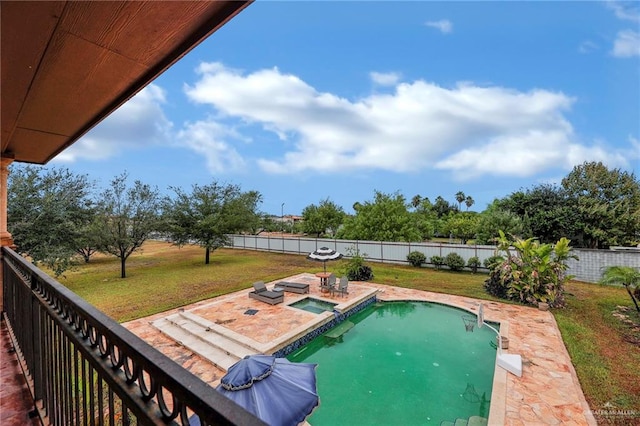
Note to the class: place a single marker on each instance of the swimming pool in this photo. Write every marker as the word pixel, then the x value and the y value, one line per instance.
pixel 313 305
pixel 402 363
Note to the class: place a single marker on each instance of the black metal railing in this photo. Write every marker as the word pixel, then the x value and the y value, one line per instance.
pixel 84 368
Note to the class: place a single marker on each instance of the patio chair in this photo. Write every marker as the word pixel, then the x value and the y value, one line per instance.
pixel 262 294
pixel 342 286
pixel 329 285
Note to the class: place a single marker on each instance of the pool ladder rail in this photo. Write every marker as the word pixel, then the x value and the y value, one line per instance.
pixel 510 362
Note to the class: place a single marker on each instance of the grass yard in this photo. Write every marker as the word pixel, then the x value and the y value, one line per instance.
pixel 604 349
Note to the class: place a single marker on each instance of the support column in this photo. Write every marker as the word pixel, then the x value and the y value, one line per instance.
pixel 5 236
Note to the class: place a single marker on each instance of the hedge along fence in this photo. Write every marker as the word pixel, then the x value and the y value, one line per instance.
pixel 376 251
pixel 588 268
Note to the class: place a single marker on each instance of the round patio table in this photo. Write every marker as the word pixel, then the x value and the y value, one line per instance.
pixel 324 280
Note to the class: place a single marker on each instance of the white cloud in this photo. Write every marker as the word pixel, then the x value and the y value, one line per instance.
pixel 627 44
pixel 518 155
pixel 587 46
pixel 468 129
pixel 138 123
pixel 522 158
pixel 444 25
pixel 385 79
pixel 208 139
pixel 578 154
pixel 625 10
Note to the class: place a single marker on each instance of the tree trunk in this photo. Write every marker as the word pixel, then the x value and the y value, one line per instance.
pixel 635 302
pixel 206 256
pixel 123 274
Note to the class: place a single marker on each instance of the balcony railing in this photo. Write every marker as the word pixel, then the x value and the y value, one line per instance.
pixel 83 368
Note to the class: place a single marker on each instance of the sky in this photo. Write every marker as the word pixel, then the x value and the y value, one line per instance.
pixel 308 100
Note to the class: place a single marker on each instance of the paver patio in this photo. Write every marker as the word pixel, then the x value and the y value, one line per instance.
pixel 547 393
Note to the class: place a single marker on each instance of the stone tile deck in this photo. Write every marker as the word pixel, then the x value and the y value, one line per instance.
pixel 15 398
pixel 548 392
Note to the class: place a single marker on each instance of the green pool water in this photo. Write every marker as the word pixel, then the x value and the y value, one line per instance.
pixel 401 363
pixel 314 305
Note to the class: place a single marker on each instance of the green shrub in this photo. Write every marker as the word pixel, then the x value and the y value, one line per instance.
pixel 493 285
pixel 474 263
pixel 355 269
pixel 454 261
pixel 437 261
pixel 362 273
pixel 416 258
pixel 491 262
pixel 535 273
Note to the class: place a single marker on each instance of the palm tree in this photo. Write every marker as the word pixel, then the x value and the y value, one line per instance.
pixel 468 201
pixel 415 201
pixel 460 198
pixel 626 276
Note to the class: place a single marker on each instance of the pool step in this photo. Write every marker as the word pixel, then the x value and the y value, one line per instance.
pixel 238 341
pixel 339 329
pixel 221 346
pixel 477 421
pixel 471 421
pixel 218 357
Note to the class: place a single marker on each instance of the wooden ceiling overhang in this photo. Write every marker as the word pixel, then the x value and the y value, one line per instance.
pixel 67 65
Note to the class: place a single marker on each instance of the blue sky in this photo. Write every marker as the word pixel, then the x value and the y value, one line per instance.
pixel 304 101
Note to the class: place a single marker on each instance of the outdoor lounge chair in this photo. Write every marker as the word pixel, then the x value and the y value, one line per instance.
pixel 299 288
pixel 262 294
pixel 342 286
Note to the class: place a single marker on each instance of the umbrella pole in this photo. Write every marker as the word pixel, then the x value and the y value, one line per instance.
pixel 324 264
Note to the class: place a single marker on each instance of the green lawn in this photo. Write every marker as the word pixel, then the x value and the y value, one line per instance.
pixel 605 352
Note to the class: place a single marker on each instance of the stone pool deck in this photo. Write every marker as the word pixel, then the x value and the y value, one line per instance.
pixel 548 392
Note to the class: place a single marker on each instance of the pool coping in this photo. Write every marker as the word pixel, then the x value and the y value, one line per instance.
pixel 547 393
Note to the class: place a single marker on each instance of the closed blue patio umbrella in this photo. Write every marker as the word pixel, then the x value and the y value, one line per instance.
pixel 278 391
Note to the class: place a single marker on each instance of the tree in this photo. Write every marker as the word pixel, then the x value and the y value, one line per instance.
pixel 207 214
pixel 607 203
pixel 128 217
pixel 426 219
pixel 469 202
pixel 628 277
pixel 546 211
pixel 266 223
pixel 318 219
pixel 87 242
pixel 386 218
pixel 463 226
pixel 494 219
pixel 442 207
pixel 460 197
pixel 415 201
pixel 48 211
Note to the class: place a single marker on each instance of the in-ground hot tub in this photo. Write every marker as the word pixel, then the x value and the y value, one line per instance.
pixel 316 306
